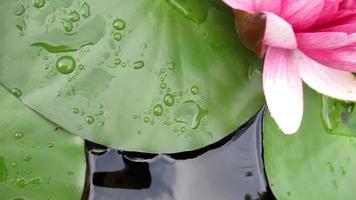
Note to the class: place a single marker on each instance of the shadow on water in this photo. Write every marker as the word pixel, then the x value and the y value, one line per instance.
pixel 231 169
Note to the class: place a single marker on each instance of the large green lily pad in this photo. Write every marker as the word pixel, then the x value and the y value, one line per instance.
pixel 139 75
pixel 37 160
pixel 312 164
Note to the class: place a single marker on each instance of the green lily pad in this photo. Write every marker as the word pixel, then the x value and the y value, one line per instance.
pixel 311 164
pixel 37 160
pixel 138 75
pixel 339 117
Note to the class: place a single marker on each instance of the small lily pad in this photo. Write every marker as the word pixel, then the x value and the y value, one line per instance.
pixel 311 164
pixel 37 159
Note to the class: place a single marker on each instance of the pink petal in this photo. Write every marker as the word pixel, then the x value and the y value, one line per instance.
pixel 245 5
pixel 341 58
pixel 301 13
pixel 279 33
pixel 343 21
pixel 273 6
pixel 283 89
pixel 325 40
pixel 346 28
pixel 331 8
pixel 348 4
pixel 331 82
pixel 253 6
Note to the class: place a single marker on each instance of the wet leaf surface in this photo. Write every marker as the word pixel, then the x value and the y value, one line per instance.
pixel 137 75
pixel 37 159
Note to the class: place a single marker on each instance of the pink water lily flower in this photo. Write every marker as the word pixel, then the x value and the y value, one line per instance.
pixel 304 40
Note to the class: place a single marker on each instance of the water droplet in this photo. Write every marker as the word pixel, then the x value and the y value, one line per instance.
pixel 75 110
pixel 169 100
pixel 67 25
pixel 66 64
pixel 85 10
pixel 20 24
pixel 21 182
pixel 183 129
pixel 117 61
pixel 16 92
pixel 119 24
pixel 139 132
pixel 50 145
pixel 70 173
pixel 18 135
pixel 117 36
pixel 138 64
pixel 158 110
pixel 36 181
pixel 38 3
pixel 135 116
pixel 190 113
pixel 81 67
pixel 163 86
pixel 13 163
pixel 90 119
pixel 19 10
pixel 27 158
pixel 74 16
pixel 146 119
pixel 171 66
pixel 162 71
pixel 195 11
pixel 194 90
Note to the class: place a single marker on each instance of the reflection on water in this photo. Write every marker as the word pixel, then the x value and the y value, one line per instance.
pixel 231 169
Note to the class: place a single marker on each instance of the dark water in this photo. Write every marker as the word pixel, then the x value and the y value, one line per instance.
pixel 231 169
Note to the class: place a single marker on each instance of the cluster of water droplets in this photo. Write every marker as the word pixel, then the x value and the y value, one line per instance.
pixel 180 110
pixel 91 117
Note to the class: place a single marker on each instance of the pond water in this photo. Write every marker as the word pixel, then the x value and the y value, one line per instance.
pixel 231 169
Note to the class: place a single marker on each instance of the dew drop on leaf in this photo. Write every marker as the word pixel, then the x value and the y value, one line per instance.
pixel 75 110
pixel 67 25
pixel 117 36
pixel 163 86
pixel 65 64
pixel 169 100
pixel 38 3
pixel 85 10
pixel 90 119
pixel 13 164
pixel 190 113
pixel 117 61
pixel 21 182
pixel 16 92
pixel 138 64
pixel 27 158
pixel 119 24
pixel 20 10
pixel 194 90
pixel 74 16
pixel 20 24
pixel 158 110
pixel 19 135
